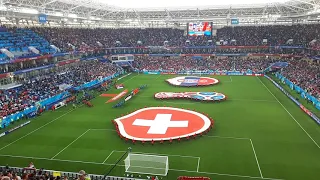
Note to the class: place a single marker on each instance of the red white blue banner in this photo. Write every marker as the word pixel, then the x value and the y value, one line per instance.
pixel 199 96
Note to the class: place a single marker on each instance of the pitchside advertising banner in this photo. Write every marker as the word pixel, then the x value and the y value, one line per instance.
pixel 313 116
pixel 47 103
pixel 303 94
pixel 15 128
pixel 233 73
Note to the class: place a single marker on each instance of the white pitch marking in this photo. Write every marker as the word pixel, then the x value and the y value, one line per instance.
pixel 255 155
pixel 230 81
pixel 108 157
pixel 130 78
pixel 222 137
pixel 290 114
pixel 157 77
pixel 160 124
pixel 37 129
pixel 85 162
pixel 198 164
pixel 253 100
pixel 124 76
pixel 70 144
pixel 227 137
pixel 220 174
pixel 102 129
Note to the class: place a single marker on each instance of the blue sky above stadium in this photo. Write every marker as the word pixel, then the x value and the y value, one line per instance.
pixel 182 3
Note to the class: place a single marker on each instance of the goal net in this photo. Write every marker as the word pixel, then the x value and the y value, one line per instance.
pixel 147 164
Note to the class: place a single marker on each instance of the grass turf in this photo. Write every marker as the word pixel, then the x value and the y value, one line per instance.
pixel 259 133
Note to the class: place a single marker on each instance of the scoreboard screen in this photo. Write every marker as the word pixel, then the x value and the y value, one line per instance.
pixel 200 29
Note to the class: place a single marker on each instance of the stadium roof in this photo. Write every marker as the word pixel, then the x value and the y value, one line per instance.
pixel 164 13
pixel 180 4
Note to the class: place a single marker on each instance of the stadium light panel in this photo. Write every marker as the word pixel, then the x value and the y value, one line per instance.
pixel 72 16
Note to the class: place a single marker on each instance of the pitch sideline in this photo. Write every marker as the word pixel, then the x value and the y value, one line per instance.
pixel 290 114
pixel 255 155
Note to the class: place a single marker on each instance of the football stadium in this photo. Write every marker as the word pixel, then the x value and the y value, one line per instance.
pixel 166 90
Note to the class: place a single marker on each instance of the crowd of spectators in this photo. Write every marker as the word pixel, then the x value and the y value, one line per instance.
pixel 81 38
pixel 40 87
pixel 275 35
pixel 190 64
pixel 304 74
pixel 31 173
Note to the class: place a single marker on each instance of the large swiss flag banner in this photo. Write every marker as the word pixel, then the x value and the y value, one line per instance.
pixel 162 123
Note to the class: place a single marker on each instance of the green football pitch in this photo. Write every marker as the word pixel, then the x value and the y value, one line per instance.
pixel 259 134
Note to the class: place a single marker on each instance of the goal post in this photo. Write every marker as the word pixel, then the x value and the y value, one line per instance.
pixel 147 164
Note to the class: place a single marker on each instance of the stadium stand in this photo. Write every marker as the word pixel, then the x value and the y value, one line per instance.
pixel 189 64
pixel 26 43
pixel 304 74
pixel 82 38
pixel 59 50
pixel 276 35
pixel 23 43
pixel 38 88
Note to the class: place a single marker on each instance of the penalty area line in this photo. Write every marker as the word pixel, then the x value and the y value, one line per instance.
pixel 108 157
pixel 240 138
pixel 80 137
pixel 198 164
pixel 223 137
pixel 70 144
pixel 178 170
pixel 255 155
pixel 227 137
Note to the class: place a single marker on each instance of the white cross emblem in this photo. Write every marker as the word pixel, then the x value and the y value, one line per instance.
pixel 160 124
